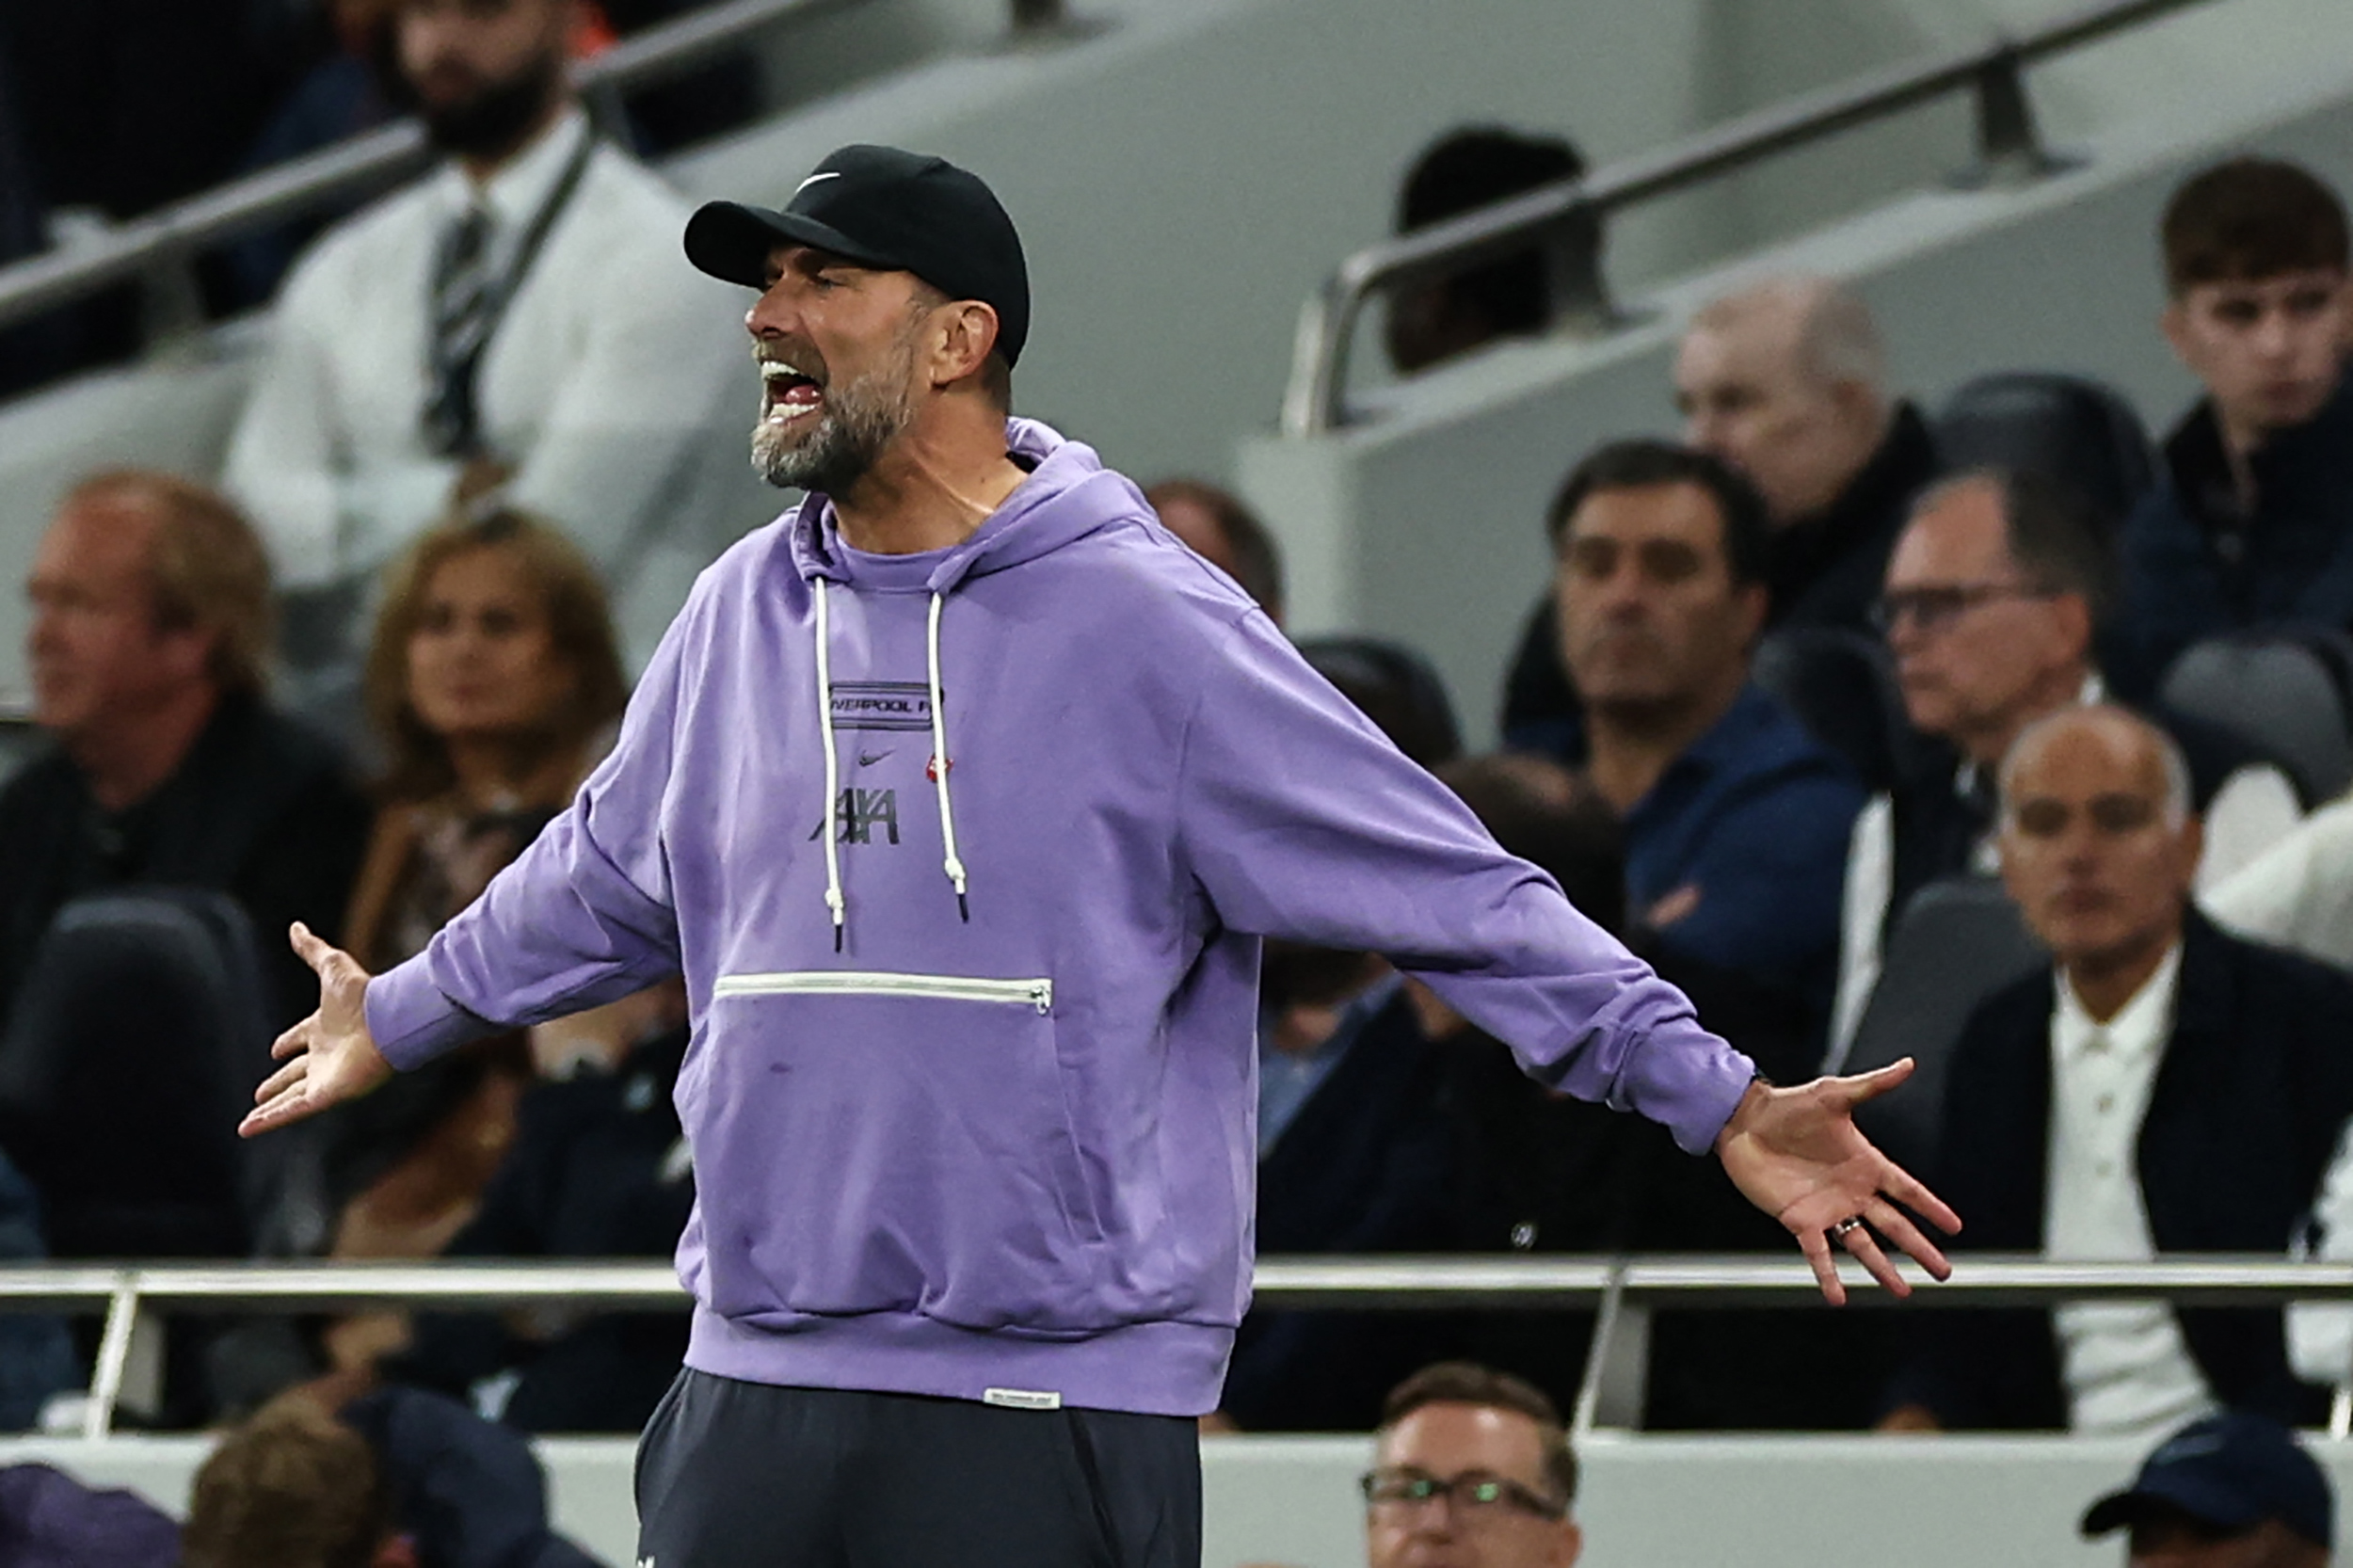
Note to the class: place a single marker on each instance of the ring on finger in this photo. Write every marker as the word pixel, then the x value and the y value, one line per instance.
pixel 1845 1227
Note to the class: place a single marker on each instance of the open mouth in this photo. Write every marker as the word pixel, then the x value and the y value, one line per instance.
pixel 787 393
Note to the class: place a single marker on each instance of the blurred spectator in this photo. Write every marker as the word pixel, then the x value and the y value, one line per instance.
pixel 1993 596
pixel 1735 819
pixel 1353 1154
pixel 564 343
pixel 1450 315
pixel 494 681
pixel 2299 894
pixel 400 1480
pixel 2166 1089
pixel 150 639
pixel 50 1520
pixel 2231 1491
pixel 1219 529
pixel 598 1169
pixel 1536 1171
pixel 1786 381
pixel 2251 522
pixel 1470 1466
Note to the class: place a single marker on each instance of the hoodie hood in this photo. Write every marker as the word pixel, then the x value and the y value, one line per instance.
pixel 1068 495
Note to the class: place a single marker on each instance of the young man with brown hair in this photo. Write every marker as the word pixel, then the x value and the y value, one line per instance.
pixel 2251 522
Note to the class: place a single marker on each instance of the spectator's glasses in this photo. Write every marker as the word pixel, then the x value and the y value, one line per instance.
pixel 1933 608
pixel 1474 1494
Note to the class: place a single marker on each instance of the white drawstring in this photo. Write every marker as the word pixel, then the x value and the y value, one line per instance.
pixel 939 761
pixel 831 831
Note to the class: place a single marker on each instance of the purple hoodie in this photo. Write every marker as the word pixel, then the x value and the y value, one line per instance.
pixel 971 1089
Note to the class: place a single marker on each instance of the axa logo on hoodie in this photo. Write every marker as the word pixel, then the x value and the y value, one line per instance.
pixel 857 812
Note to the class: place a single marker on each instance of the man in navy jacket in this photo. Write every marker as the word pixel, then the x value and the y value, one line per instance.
pixel 2251 522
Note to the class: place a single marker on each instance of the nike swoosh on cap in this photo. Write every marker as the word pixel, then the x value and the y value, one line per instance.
pixel 829 174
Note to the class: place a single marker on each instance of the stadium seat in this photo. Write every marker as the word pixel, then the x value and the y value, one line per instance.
pixel 2286 692
pixel 2062 428
pixel 133 1051
pixel 1958 942
pixel 1842 688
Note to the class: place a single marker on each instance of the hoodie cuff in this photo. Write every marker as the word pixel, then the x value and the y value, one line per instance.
pixel 1690 1082
pixel 413 1022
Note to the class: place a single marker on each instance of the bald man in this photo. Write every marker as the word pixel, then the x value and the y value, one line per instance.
pixel 1786 381
pixel 2162 1088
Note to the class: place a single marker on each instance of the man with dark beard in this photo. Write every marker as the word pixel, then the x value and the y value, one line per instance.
pixel 522 314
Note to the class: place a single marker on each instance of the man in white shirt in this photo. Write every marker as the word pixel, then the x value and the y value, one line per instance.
pixel 2166 1089
pixel 1990 598
pixel 524 315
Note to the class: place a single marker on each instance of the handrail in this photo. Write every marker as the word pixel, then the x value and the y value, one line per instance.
pixel 1628 1287
pixel 2009 147
pixel 159 246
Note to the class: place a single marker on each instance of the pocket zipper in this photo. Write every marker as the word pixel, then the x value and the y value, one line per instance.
pixel 839 982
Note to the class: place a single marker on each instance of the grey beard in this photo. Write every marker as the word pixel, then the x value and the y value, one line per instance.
pixel 832 458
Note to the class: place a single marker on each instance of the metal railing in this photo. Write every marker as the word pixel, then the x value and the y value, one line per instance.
pixel 159 249
pixel 1624 1291
pixel 2009 150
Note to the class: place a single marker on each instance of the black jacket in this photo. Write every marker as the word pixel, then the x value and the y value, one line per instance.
pixel 596 1171
pixel 1828 568
pixel 2197 565
pixel 260 809
pixel 1365 1166
pixel 2254 1089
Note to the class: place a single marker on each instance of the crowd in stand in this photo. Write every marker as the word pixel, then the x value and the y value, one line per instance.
pixel 1879 731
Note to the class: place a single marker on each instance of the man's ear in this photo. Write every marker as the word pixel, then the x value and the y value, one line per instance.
pixel 185 651
pixel 398 1551
pixel 2173 321
pixel 1753 601
pixel 967 333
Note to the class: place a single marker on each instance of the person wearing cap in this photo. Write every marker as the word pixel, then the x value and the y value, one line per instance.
pixel 2226 1491
pixel 520 315
pixel 963 795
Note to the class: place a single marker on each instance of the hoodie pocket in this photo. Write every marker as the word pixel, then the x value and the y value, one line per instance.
pixel 893 1142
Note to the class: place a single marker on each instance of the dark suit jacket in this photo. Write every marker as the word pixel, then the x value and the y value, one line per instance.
pixel 2252 1092
pixel 1365 1166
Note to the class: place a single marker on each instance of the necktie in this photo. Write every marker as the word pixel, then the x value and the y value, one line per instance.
pixel 462 315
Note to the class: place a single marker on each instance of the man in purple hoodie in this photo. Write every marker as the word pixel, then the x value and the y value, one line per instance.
pixel 963 795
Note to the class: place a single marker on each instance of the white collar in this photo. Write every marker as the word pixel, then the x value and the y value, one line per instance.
pixel 2141 1026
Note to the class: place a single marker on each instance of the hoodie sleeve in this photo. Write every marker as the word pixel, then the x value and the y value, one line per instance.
pixel 582 916
pixel 1301 821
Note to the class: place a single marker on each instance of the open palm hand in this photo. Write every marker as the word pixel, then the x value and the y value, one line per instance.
pixel 1796 1154
pixel 330 1056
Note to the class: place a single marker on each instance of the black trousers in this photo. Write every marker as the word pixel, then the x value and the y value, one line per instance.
pixel 742 1475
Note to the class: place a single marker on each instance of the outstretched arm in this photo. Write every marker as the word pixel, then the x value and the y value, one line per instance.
pixel 330 1056
pixel 1797 1155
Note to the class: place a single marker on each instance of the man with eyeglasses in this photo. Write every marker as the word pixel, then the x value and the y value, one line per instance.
pixel 1472 1469
pixel 1993 594
pixel 2162 1088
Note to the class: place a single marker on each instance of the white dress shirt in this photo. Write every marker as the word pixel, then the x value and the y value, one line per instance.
pixel 2255 808
pixel 602 389
pixel 2126 1368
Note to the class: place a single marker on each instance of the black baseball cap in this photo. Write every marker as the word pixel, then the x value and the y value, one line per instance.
pixel 2231 1471
pixel 882 207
